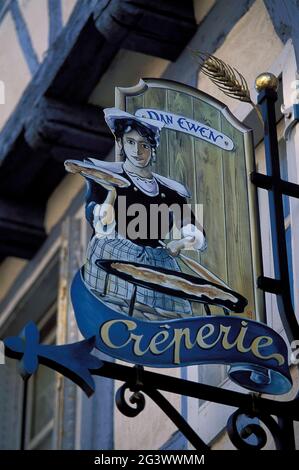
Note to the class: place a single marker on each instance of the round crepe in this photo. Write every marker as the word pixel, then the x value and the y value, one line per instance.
pixel 99 175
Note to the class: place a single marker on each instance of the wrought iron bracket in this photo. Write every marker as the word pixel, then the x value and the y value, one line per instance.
pixel 266 182
pixel 247 433
pixel 276 188
pixel 267 284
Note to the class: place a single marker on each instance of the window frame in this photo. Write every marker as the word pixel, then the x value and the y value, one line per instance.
pixel 32 442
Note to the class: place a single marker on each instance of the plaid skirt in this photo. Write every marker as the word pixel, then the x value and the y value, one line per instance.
pixel 125 250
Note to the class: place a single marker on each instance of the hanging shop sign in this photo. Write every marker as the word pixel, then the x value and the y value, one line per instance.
pixel 172 263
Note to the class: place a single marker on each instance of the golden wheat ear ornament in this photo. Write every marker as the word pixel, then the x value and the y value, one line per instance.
pixel 228 79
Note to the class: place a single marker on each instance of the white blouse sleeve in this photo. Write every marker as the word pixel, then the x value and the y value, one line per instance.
pixel 199 242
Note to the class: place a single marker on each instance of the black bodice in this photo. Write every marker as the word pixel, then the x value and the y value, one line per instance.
pixel 157 208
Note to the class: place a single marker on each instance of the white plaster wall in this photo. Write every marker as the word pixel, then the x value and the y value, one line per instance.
pixel 151 428
pixel 14 71
pixel 126 70
pixel 67 9
pixel 202 8
pixel 36 16
pixel 251 47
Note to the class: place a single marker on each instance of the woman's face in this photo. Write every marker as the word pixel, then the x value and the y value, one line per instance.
pixel 136 148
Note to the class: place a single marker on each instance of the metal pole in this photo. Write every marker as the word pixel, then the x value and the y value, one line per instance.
pixel 266 100
pixel 287 428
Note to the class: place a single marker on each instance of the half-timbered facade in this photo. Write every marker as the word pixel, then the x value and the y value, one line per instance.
pixel 60 61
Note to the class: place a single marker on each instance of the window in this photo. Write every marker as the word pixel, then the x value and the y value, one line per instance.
pixel 40 400
pixel 11 395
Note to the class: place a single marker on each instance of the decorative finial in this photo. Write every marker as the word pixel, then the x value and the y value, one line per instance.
pixel 265 81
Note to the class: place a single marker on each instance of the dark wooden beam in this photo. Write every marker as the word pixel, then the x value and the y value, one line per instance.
pixel 153 27
pixel 18 171
pixel 88 59
pixel 53 130
pixel 21 228
pixel 161 29
pixel 64 131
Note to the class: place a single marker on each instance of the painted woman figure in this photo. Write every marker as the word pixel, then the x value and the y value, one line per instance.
pixel 137 139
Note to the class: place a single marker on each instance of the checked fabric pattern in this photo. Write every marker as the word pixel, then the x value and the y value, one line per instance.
pixel 125 250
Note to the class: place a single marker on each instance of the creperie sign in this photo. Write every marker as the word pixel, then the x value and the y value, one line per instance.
pixel 120 334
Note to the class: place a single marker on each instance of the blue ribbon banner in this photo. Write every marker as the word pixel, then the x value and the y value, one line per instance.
pixel 257 354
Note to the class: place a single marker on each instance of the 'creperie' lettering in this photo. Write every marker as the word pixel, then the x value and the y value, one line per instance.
pixel 206 337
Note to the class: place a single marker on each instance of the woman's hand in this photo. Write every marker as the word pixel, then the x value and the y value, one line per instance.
pixel 103 212
pixel 175 246
pixel 104 219
pixel 194 238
